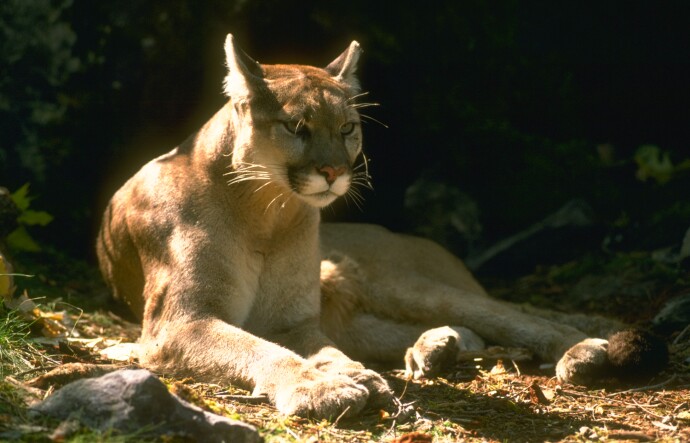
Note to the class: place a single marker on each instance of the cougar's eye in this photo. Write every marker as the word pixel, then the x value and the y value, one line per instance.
pixel 347 128
pixel 296 127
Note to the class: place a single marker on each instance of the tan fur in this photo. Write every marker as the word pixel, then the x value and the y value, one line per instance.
pixel 215 246
pixel 342 293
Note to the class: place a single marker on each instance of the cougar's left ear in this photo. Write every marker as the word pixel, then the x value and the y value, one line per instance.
pixel 244 73
pixel 344 67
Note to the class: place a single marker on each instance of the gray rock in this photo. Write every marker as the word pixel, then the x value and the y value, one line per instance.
pixel 130 400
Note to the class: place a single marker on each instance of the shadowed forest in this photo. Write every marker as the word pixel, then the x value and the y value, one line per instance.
pixel 496 113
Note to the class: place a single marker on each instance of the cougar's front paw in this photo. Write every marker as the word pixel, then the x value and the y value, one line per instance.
pixel 437 348
pixel 584 363
pixel 380 394
pixel 320 395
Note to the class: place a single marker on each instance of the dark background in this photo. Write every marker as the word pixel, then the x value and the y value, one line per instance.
pixel 504 110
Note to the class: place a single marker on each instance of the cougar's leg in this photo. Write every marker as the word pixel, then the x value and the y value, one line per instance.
pixel 430 303
pixel 367 337
pixel 592 325
pixel 424 350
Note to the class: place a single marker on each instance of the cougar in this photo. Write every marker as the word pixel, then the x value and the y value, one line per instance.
pixel 217 247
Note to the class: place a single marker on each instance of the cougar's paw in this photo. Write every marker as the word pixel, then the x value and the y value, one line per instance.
pixel 584 363
pixel 434 349
pixel 319 395
pixel 380 394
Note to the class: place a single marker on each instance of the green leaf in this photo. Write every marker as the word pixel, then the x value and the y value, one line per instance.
pixel 31 217
pixel 21 198
pixel 20 240
pixel 653 163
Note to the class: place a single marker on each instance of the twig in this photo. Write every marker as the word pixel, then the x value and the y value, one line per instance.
pixel 646 388
pixel 580 394
pixel 517 369
pixel 335 423
pixel 681 335
pixel 37 369
pixel 647 411
pixel 245 399
pixel 81 314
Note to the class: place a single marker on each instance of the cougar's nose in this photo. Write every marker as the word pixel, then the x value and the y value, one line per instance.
pixel 330 173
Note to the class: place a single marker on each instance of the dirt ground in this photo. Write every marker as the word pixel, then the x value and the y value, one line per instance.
pixel 484 400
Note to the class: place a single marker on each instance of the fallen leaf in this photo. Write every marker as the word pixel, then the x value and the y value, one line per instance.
pixel 127 352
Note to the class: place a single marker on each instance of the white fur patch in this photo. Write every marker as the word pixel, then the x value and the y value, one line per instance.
pixel 341 185
pixel 315 184
pixel 319 200
pixel 317 192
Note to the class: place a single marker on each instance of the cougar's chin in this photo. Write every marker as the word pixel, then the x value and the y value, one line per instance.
pixel 316 191
pixel 319 199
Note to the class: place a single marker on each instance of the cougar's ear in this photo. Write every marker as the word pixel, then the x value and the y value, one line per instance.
pixel 244 73
pixel 344 67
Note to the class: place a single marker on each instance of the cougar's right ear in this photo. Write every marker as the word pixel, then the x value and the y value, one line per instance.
pixel 244 73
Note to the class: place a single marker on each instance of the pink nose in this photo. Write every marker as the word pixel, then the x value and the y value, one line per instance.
pixel 330 173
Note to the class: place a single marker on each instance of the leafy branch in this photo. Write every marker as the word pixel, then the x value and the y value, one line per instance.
pixel 20 239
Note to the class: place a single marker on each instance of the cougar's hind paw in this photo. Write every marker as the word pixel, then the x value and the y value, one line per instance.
pixel 584 363
pixel 631 355
pixel 433 350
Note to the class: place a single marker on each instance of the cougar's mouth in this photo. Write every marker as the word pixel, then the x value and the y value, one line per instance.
pixel 315 190
pixel 320 199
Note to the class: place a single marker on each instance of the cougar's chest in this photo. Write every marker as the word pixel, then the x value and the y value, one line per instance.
pixel 287 289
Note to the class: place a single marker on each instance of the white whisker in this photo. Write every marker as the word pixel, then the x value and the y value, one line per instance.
pixel 248 174
pixel 362 178
pixel 364 183
pixel 363 105
pixel 246 179
pixel 246 171
pixel 368 117
pixel 272 201
pixel 249 177
pixel 243 165
pixel 285 202
pixel 356 198
pixel 262 186
pixel 256 176
pixel 354 97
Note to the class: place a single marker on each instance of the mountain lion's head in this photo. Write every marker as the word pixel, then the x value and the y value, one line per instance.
pixel 296 127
